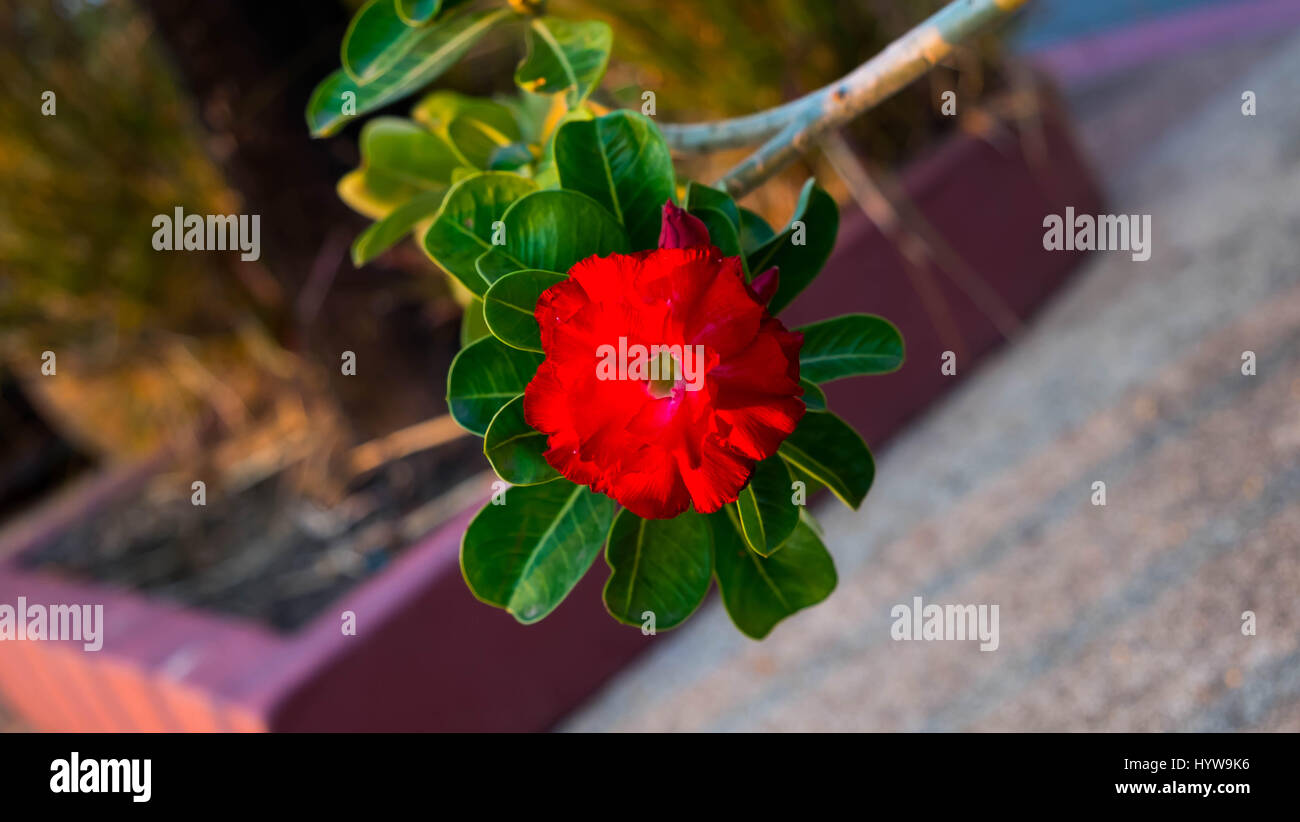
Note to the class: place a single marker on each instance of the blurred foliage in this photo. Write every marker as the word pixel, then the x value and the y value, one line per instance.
pixel 80 188
pixel 148 342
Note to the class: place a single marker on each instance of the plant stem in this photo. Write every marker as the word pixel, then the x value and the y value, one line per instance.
pixel 795 126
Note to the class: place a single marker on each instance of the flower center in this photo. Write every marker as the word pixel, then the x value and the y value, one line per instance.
pixel 669 369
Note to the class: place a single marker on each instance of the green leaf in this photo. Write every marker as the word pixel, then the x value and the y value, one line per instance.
pixel 811 484
pixel 765 507
pixel 532 112
pixel 699 195
pixel 492 267
pixel 827 448
pixel 472 324
pixel 419 12
pixel 565 56
pixel 401 148
pixel 754 232
pixel 758 592
pixel 515 448
pixel 849 345
pixel 375 40
pixel 476 127
pixel 621 161
pixel 510 157
pixel 802 248
pixel 526 555
pixel 721 233
pixel 547 176
pixel 813 397
pixel 462 231
pixel 436 50
pixel 384 234
pixel 478 140
pixel 550 231
pixel 657 565
pixel 485 376
pixel 400 161
pixel 510 303
pixel 376 193
pixel 721 216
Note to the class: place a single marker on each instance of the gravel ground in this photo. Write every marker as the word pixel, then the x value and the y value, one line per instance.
pixel 1122 617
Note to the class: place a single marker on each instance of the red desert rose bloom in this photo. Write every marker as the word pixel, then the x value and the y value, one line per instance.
pixel 658 446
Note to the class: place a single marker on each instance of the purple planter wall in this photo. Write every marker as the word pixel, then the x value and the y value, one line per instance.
pixel 426 656
pixel 988 204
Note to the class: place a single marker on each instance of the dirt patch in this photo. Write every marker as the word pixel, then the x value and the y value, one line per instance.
pixel 266 552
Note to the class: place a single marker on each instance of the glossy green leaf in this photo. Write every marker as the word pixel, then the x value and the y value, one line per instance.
pixel 531 113
pixel 565 56
pixel 476 127
pixel 510 157
pixel 400 161
pixel 419 12
pixel 376 193
pixel 401 148
pixel 514 448
pixel 754 232
pixel 662 566
pixel 485 376
pixel 550 231
pixel 721 216
pixel 766 508
pixel 699 195
pixel 492 267
pixel 462 230
pixel 547 176
pixel 813 396
pixel 621 161
pixel 811 484
pixel 526 555
pixel 827 448
pixel 479 140
pixel 438 48
pixel 758 592
pixel 721 232
pixel 375 40
pixel 802 248
pixel 510 303
pixel 384 234
pixel 472 324
pixel 849 345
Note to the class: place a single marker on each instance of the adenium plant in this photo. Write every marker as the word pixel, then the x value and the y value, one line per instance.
pixel 623 357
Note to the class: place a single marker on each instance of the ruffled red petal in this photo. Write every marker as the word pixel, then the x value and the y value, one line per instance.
pixel 655 453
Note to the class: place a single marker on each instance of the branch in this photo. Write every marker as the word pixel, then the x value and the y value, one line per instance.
pixel 419 437
pixel 798 124
pixel 738 131
pixel 919 242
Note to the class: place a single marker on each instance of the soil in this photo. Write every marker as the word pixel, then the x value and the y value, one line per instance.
pixel 266 552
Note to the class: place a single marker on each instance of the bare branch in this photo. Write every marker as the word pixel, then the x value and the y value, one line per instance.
pixel 798 125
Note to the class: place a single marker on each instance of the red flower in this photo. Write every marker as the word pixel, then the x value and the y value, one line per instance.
pixel 725 397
